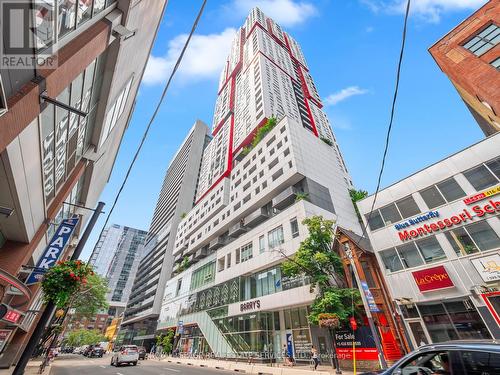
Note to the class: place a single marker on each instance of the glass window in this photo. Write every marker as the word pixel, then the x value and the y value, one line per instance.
pixel 461 242
pixel 430 249
pixel 228 260
pixel 44 21
pixel 375 220
pixel 391 260
pixel 480 362
pixel 432 197
pixel 246 252
pixel 483 235
pixel 84 10
pixel 480 177
pixel 451 190
pixel 496 64
pixel 67 16
pixel 494 166
pixel 484 40
pixel 368 275
pixel 276 237
pixel 410 255
pixel 99 5
pixel 262 244
pixel 408 207
pixel 294 225
pixel 390 214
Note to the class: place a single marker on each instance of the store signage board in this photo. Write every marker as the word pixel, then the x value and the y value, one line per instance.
pixel 362 339
pixel 460 218
pixel 417 220
pixel 488 267
pixel 431 279
pixel 482 195
pixel 12 316
pixel 53 250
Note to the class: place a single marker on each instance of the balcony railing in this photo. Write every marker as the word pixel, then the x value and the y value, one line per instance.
pixel 256 217
pixel 237 229
pixel 285 198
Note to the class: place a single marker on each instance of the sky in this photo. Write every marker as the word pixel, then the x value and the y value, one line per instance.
pixel 352 48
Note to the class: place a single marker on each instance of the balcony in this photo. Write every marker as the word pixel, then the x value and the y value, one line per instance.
pixel 238 229
pixel 285 198
pixel 256 217
pixel 200 254
pixel 217 243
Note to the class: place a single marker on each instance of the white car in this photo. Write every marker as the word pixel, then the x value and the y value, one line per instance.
pixel 125 354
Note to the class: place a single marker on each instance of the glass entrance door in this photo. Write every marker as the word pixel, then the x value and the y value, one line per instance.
pixel 418 333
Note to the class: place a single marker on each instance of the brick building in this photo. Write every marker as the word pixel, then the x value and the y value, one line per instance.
pixel 54 156
pixel 470 56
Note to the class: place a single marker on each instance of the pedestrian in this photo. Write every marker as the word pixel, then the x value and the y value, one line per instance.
pixel 314 356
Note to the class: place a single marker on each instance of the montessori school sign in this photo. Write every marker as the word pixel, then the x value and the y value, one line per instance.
pixel 53 250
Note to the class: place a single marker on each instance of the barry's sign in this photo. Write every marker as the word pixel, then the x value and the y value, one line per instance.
pixel 492 207
pixel 432 279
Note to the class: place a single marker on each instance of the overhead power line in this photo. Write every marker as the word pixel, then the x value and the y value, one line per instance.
pixel 393 108
pixel 155 113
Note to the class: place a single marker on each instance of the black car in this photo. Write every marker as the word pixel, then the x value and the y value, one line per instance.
pixel 96 351
pixel 87 350
pixel 143 354
pixel 481 357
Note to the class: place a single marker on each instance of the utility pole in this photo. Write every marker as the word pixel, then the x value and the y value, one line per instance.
pixel 375 333
pixel 50 307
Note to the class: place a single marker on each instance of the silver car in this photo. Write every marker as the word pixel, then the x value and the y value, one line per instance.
pixel 125 354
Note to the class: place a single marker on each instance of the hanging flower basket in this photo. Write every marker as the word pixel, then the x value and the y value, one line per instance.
pixel 64 280
pixel 328 320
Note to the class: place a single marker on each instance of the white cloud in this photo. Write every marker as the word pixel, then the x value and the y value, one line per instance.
pixel 428 10
pixel 344 94
pixel 285 12
pixel 204 58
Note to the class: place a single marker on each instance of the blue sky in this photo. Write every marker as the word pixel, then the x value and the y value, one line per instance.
pixel 351 47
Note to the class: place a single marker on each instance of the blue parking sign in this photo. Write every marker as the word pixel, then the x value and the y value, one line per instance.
pixel 53 250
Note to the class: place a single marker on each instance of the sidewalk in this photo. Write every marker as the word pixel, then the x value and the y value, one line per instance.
pixel 31 369
pixel 259 368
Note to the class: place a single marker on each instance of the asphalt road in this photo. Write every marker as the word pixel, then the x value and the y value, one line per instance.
pixel 79 365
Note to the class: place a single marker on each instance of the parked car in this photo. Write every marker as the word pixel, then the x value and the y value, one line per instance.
pixel 86 352
pixel 449 358
pixel 97 351
pixel 143 354
pixel 125 354
pixel 80 349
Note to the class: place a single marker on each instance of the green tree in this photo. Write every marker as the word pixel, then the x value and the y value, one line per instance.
pixel 356 196
pixel 81 337
pixel 91 298
pixel 315 259
pixel 166 341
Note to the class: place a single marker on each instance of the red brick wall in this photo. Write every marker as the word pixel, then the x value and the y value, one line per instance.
pixel 473 76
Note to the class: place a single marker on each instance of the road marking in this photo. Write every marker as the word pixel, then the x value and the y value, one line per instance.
pixel 119 373
pixel 171 369
pixel 103 366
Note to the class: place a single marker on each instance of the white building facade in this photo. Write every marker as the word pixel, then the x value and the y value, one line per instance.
pixel 436 234
pixel 227 291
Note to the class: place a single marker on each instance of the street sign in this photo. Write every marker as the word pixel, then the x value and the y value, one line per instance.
pixel 369 297
pixel 53 250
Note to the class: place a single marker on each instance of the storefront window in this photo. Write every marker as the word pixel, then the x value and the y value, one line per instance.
pixel 408 207
pixel 454 320
pixel 483 235
pixel 84 10
pixel 390 214
pixel 44 21
pixel 67 16
pixel 480 177
pixel 432 197
pixel 461 242
pixel 494 166
pixel 410 255
pixel 430 249
pixel 391 260
pixel 451 190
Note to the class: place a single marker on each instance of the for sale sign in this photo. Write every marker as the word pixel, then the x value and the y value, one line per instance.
pixel 53 250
